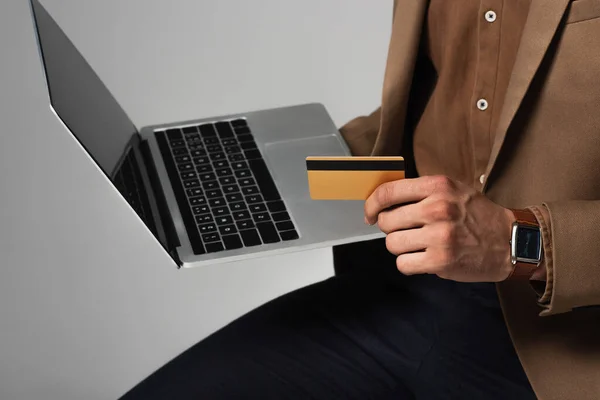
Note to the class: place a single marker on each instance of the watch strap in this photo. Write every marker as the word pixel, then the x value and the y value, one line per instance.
pixel 523 270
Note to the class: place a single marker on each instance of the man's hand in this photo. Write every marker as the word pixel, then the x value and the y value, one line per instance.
pixel 438 226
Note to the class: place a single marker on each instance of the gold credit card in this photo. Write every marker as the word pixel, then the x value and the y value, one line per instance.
pixel 350 178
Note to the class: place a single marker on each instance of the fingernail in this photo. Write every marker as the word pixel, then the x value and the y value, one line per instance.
pixel 367 221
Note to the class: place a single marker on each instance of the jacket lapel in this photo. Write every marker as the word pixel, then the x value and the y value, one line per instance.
pixel 541 26
pixel 402 54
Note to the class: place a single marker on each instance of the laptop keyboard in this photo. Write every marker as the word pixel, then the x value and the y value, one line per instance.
pixel 128 181
pixel 227 197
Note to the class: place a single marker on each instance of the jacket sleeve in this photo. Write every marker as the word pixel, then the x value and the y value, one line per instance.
pixel 361 132
pixel 572 255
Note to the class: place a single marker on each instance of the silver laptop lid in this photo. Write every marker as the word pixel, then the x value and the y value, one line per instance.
pixel 94 117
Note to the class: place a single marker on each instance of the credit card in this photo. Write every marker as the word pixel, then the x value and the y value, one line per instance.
pixel 350 178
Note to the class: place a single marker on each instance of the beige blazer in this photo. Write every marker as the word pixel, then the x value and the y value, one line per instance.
pixel 546 151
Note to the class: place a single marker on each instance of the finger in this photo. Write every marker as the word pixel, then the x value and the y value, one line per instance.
pixel 414 263
pixel 403 217
pixel 408 241
pixel 403 191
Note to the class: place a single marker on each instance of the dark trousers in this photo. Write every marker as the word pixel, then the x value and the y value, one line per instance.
pixel 368 333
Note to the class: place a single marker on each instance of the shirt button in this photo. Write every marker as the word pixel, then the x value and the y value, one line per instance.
pixel 490 16
pixel 482 179
pixel 482 104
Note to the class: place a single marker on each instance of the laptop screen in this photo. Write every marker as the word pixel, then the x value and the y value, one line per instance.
pixel 92 115
pixel 80 98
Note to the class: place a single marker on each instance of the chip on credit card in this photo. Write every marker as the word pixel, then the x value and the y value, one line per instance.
pixel 350 178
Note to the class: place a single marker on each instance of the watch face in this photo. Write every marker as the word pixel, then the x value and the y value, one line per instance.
pixel 528 243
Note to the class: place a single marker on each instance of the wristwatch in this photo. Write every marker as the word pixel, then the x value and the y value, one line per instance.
pixel 525 245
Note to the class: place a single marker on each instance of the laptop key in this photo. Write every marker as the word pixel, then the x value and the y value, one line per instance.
pixel 201 160
pixel 179 151
pixel 220 202
pixel 188 175
pixel 227 180
pixel 224 129
pixel 204 209
pixel 232 242
pixel 204 218
pixel 192 183
pixel 232 198
pixel 227 229
pixel 208 177
pixel 245 224
pixel 220 211
pixel 207 228
pixel 281 216
pixel 236 157
pixel 237 123
pixel 224 220
pixel 261 217
pixel 284 226
pixel 247 182
pixel 243 173
pixel 214 247
pixel 239 165
pixel 185 167
pixel 207 130
pixel 211 194
pixel 250 190
pixel 242 130
pixel 190 129
pixel 220 164
pixel 289 235
pixel 218 156
pixel 248 145
pixel 198 152
pixel 177 143
pixel 231 189
pixel 256 198
pixel 214 148
pixel 211 141
pixel 174 134
pixel 241 215
pixel 196 201
pixel 250 237
pixel 229 142
pixel 245 138
pixel 210 185
pixel 276 206
pixel 256 208
pixel 268 233
pixel 240 206
pixel 224 172
pixel 183 159
pixel 252 155
pixel 264 179
pixel 232 149
pixel 194 192
pixel 211 237
pixel 203 169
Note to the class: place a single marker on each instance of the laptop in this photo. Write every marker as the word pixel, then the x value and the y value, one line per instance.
pixel 210 190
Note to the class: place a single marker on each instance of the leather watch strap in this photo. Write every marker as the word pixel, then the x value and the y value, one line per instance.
pixel 522 270
pixel 525 217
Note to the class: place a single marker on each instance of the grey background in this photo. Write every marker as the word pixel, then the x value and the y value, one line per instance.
pixel 89 304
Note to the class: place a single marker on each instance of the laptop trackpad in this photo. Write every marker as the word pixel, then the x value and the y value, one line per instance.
pixel 287 161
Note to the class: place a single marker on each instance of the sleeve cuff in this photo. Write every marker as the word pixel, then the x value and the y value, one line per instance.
pixel 545 270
